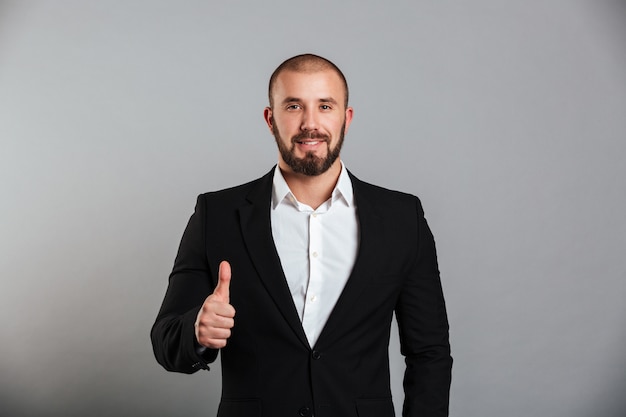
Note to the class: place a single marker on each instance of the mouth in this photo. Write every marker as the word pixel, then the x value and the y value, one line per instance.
pixel 309 142
pixel 310 139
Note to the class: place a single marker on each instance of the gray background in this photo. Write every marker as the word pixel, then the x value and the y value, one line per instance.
pixel 508 119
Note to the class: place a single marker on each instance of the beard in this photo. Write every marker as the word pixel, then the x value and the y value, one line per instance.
pixel 311 164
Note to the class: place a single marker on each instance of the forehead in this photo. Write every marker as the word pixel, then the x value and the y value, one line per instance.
pixel 309 85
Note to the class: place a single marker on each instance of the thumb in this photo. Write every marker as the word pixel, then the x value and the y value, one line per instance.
pixel 222 291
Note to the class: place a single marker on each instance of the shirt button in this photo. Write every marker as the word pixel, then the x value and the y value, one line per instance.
pixel 314 215
pixel 313 298
pixel 316 355
pixel 314 254
pixel 304 412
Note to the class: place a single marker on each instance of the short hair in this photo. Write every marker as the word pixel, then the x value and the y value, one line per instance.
pixel 306 63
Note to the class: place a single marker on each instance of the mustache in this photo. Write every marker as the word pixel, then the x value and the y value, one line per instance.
pixel 310 135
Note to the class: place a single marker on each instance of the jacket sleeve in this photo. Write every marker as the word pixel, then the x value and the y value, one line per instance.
pixel 423 328
pixel 191 281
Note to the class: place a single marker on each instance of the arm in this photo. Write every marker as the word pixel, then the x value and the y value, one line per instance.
pixel 423 327
pixel 173 336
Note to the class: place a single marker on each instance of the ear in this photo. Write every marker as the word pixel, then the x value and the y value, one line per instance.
pixel 267 115
pixel 349 114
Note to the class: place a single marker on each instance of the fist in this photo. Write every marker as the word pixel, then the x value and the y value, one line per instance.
pixel 216 317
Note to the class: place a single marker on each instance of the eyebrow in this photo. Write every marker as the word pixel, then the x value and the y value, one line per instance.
pixel 321 100
pixel 328 100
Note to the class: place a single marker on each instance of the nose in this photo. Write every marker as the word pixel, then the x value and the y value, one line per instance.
pixel 309 120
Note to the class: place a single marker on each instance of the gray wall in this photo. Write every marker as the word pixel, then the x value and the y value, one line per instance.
pixel 508 119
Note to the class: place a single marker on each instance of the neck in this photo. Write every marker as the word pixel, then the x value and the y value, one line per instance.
pixel 312 190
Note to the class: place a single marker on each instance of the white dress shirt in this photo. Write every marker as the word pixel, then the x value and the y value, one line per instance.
pixel 317 248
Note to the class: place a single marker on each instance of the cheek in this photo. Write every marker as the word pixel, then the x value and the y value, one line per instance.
pixel 286 125
pixel 337 127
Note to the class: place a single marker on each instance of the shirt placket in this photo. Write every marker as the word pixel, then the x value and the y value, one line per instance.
pixel 312 304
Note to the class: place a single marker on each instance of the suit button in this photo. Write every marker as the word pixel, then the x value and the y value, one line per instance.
pixel 316 355
pixel 305 411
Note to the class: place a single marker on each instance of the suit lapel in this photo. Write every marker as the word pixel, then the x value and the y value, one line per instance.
pixel 257 235
pixel 370 230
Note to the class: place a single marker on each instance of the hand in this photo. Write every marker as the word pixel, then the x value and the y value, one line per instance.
pixel 216 317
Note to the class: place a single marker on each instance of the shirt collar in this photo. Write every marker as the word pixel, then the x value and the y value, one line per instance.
pixel 342 191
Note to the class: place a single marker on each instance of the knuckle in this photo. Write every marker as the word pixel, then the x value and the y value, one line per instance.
pixel 218 343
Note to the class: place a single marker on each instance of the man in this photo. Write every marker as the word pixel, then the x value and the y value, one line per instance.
pixel 294 277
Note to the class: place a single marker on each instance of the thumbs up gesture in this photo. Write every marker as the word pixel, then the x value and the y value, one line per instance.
pixel 216 317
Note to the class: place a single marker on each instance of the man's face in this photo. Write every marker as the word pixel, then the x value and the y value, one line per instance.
pixel 308 120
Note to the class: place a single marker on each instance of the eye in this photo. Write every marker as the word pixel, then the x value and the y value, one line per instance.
pixel 325 107
pixel 293 107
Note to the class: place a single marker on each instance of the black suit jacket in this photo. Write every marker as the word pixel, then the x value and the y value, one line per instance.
pixel 268 367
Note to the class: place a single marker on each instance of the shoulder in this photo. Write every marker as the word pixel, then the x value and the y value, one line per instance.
pixel 381 196
pixel 242 192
